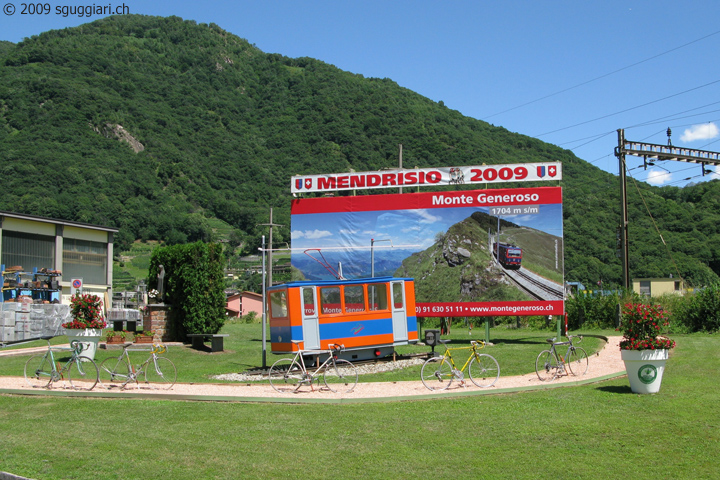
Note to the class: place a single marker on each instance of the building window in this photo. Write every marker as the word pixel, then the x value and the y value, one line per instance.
pixel 677 286
pixel 28 250
pixel 645 287
pixel 86 260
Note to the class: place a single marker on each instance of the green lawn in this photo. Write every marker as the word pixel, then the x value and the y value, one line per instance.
pixel 593 431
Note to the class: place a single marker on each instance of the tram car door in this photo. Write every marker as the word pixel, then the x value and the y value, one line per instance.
pixel 310 322
pixel 399 315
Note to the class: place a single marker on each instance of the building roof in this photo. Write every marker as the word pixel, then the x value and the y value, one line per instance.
pixel 23 216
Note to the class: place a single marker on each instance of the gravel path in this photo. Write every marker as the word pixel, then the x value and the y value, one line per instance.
pixel 606 362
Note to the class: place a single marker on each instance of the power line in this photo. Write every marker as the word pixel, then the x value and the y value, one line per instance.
pixel 627 109
pixel 600 77
pixel 659 120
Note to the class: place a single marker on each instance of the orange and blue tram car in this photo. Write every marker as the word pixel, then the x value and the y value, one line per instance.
pixel 369 316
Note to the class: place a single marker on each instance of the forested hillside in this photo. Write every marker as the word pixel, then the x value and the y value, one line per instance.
pixel 155 125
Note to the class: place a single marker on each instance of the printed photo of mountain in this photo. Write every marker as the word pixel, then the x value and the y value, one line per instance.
pixel 449 251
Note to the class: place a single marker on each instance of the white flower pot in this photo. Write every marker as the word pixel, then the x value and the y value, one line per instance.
pixel 645 368
pixel 89 338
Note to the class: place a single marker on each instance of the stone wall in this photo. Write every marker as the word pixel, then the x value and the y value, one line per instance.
pixel 155 318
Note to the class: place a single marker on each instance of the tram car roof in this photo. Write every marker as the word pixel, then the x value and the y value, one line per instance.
pixel 355 281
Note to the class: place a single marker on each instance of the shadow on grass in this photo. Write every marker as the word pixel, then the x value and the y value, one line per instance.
pixel 520 341
pixel 615 389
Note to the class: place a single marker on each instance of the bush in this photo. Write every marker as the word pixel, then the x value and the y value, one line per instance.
pixel 251 317
pixel 597 311
pixel 700 312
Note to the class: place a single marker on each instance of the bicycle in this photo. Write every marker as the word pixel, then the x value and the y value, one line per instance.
pixel 289 374
pixel 156 370
pixel 438 372
pixel 549 365
pixel 43 369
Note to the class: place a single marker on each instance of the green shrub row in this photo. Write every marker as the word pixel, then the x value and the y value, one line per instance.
pixel 693 312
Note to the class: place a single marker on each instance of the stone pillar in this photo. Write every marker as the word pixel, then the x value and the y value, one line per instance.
pixel 155 318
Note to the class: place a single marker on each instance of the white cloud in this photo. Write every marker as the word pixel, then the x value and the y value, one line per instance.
pixel 716 174
pixel 705 131
pixel 310 234
pixel 426 216
pixel 657 176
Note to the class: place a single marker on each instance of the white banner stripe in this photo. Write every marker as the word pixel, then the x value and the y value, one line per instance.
pixel 428 177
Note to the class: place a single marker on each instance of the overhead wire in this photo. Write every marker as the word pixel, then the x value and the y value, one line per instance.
pixel 628 109
pixel 602 76
pixel 657 230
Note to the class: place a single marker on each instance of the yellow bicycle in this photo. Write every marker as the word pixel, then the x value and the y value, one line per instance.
pixel 439 372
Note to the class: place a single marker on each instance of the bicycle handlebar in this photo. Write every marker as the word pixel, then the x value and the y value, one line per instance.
pixel 76 345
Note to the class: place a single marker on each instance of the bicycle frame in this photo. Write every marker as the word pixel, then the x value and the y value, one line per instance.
pixel 121 368
pixel 311 375
pixel 289 374
pixel 550 363
pixel 76 350
pixel 447 355
pixel 42 370
pixel 563 359
pixel 437 373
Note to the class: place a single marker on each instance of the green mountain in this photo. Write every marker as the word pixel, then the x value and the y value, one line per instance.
pixel 160 127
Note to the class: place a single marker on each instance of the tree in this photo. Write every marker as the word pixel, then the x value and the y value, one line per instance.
pixel 194 286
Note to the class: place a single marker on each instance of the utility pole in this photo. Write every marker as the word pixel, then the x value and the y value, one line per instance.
pixel 264 310
pixel 624 250
pixel 372 254
pixel 400 165
pixel 270 246
pixel 652 152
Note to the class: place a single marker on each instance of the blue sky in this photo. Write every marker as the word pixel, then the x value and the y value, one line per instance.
pixel 566 72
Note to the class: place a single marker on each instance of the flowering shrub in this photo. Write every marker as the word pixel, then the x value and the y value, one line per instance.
pixel 154 294
pixel 86 311
pixel 641 325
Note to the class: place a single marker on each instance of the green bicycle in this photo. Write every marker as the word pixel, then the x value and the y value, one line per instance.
pixel 42 370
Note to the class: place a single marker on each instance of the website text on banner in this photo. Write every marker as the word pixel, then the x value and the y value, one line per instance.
pixel 488 252
pixel 427 177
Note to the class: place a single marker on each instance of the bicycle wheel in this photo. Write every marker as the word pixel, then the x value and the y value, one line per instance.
pixel 436 373
pixel 340 377
pixel 114 370
pixel 286 375
pixel 82 373
pixel 38 371
pixel 577 361
pixel 546 366
pixel 161 373
pixel 484 370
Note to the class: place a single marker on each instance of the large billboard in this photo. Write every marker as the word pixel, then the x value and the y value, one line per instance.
pixel 427 177
pixel 488 252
